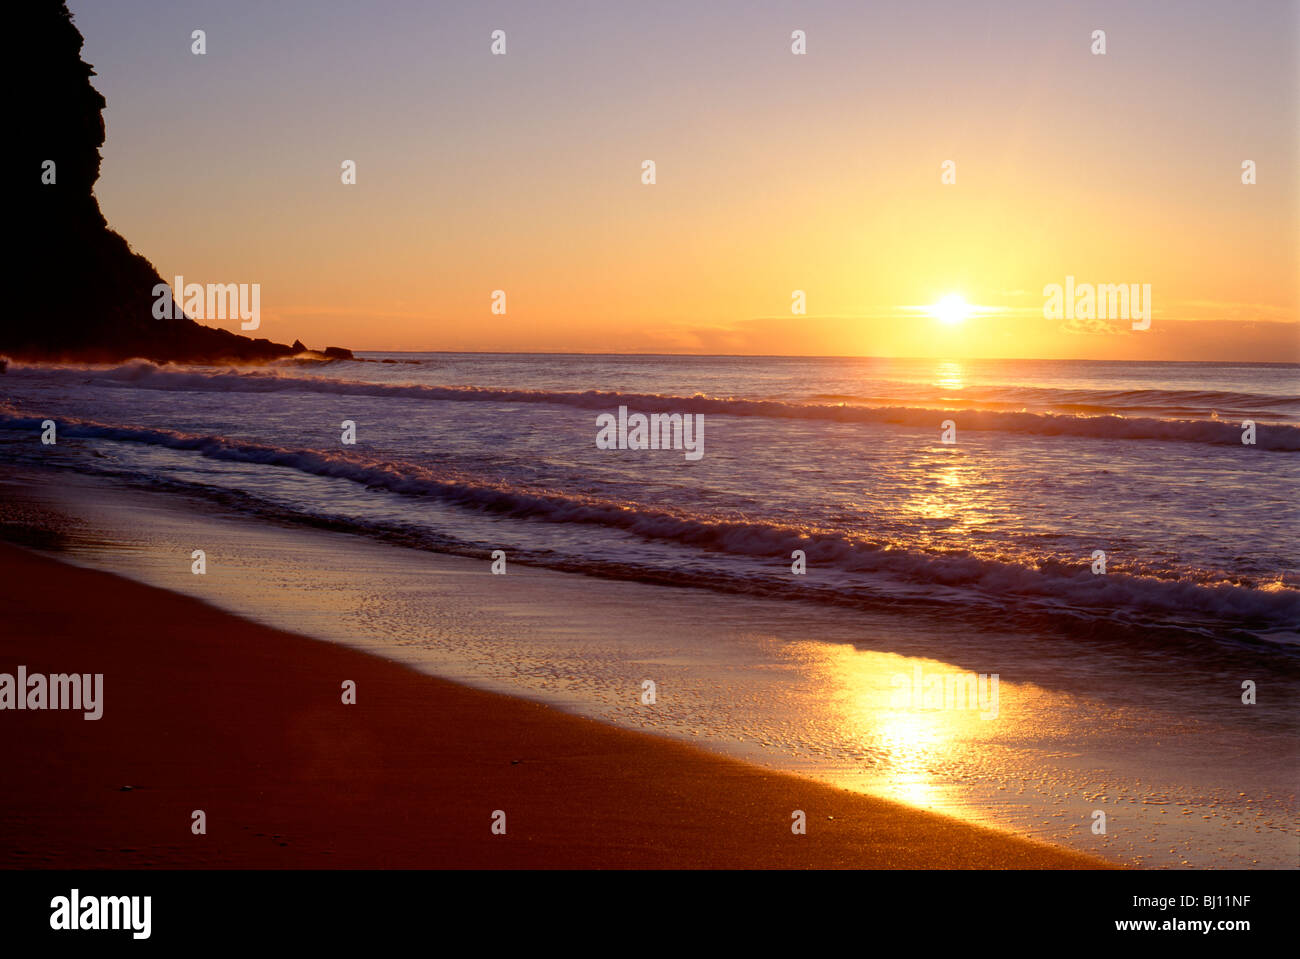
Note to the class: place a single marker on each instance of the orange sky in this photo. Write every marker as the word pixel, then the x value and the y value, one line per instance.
pixel 775 173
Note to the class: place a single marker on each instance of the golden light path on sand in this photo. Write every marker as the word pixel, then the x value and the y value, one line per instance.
pixel 909 715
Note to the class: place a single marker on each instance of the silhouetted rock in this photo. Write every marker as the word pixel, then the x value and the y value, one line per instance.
pixel 338 353
pixel 81 292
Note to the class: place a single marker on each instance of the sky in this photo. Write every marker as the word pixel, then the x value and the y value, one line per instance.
pixel 775 172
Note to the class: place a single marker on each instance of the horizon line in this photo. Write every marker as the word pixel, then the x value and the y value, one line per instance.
pixel 833 356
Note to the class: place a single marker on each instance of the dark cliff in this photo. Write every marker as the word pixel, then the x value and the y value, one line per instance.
pixel 81 293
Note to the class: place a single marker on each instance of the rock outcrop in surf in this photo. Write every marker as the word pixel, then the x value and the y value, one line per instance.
pixel 81 292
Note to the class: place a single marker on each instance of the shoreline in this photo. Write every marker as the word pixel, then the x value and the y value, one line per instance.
pixel 205 710
pixel 786 688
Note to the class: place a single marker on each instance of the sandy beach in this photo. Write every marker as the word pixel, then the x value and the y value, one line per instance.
pixel 203 710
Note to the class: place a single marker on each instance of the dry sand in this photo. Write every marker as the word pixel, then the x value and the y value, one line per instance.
pixel 204 710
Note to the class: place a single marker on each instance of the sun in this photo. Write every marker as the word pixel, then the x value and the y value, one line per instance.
pixel 951 310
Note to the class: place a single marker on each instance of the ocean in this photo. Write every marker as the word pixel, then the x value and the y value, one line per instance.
pixel 1096 533
pixel 840 458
